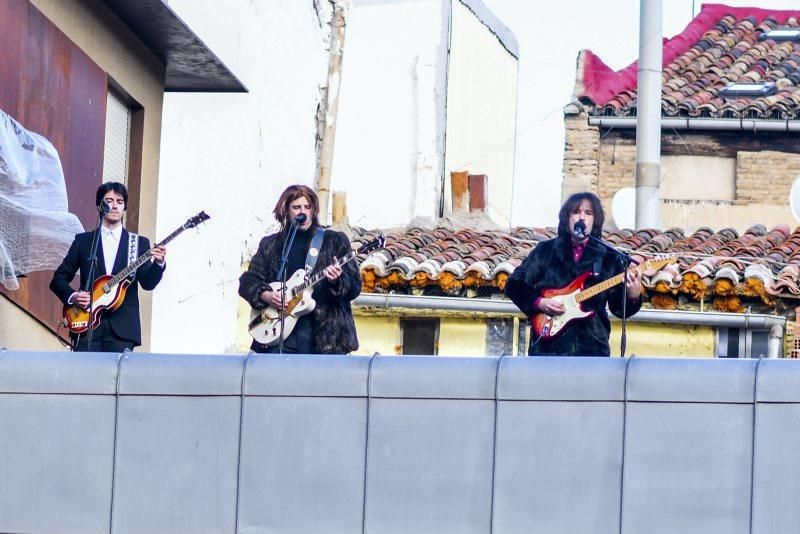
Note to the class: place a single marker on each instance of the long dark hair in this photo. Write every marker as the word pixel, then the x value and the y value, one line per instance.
pixel 572 203
pixel 289 195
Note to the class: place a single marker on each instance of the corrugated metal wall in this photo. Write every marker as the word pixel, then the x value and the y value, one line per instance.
pixel 188 443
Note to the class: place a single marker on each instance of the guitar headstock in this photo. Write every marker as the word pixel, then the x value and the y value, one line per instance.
pixel 654 264
pixel 197 220
pixel 372 245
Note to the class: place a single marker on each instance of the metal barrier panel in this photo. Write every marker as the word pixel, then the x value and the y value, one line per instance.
pixel 776 471
pixel 56 441
pixel 430 445
pixel 177 444
pixel 559 445
pixel 303 444
pixel 688 446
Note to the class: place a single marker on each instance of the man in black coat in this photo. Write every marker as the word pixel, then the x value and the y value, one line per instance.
pixel 556 263
pixel 329 328
pixel 119 329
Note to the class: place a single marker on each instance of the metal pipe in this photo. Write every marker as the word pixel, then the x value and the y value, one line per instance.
pixel 648 111
pixel 688 123
pixel 775 343
pixel 506 307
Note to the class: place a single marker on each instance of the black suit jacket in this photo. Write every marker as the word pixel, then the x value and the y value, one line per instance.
pixel 124 321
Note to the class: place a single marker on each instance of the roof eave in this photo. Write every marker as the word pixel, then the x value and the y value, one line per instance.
pixel 191 66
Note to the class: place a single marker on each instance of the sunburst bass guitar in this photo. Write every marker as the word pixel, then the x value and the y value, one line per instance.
pixel 265 324
pixel 108 291
pixel 571 296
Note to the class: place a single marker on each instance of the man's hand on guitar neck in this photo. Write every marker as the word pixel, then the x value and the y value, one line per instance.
pixel 333 271
pixel 634 283
pixel 159 255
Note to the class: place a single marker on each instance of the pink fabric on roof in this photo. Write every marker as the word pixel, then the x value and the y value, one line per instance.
pixel 600 84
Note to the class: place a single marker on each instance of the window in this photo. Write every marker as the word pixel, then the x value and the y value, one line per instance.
pixel 118 139
pixel 739 343
pixel 738 90
pixel 420 336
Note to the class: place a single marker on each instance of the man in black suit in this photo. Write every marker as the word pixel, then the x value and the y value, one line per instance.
pixel 116 249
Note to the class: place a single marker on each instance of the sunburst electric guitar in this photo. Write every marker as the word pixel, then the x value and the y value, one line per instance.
pixel 108 291
pixel 265 324
pixel 571 296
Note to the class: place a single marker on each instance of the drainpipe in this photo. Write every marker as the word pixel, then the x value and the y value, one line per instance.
pixel 331 110
pixel 775 343
pixel 648 110
pixel 690 123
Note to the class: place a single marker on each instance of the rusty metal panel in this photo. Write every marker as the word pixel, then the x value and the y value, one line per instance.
pixel 13 25
pixel 64 100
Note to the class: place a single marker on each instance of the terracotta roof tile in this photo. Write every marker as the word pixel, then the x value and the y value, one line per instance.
pixel 721 45
pixel 722 268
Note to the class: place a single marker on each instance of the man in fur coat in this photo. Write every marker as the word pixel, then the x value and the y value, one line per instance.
pixel 556 263
pixel 329 328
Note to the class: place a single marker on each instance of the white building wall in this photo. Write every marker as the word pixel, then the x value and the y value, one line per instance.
pixel 231 155
pixel 390 131
pixel 481 110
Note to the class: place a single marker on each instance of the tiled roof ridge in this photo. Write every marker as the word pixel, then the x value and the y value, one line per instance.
pixel 598 84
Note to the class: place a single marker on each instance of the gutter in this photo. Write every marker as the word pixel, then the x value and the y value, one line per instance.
pixel 689 123
pixel 506 307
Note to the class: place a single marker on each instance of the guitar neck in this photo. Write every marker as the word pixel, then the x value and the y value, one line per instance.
pixel 124 273
pixel 599 288
pixel 319 275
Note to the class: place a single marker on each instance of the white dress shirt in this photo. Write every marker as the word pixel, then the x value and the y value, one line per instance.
pixel 110 246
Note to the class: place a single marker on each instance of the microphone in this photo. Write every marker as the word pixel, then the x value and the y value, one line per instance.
pixel 300 218
pixel 105 207
pixel 579 230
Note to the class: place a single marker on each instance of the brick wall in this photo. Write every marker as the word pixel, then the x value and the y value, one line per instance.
pixel 581 162
pixel 765 177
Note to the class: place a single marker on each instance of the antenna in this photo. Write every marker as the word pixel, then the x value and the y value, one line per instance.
pixel 623 208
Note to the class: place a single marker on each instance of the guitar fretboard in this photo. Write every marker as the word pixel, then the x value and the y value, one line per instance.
pixel 614 280
pixel 599 288
pixel 319 275
pixel 124 273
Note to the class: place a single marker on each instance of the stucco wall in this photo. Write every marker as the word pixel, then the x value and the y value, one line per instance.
pixel 462 337
pixel 20 331
pixel 378 334
pixel 232 155
pixel 481 110
pixel 649 339
pixel 390 128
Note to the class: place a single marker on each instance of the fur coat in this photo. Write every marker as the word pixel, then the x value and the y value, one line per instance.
pixel 551 265
pixel 334 328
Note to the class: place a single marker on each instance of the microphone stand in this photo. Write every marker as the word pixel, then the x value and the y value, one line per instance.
pixel 626 260
pixel 287 247
pixel 90 276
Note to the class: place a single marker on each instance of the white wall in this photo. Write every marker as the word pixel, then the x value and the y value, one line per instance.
pixel 481 110
pixel 231 155
pixel 391 111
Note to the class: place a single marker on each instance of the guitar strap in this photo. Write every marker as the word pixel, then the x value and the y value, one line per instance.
pixel 313 250
pixel 133 251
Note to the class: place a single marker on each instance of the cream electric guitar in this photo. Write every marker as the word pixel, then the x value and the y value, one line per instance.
pixel 265 324
pixel 570 296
